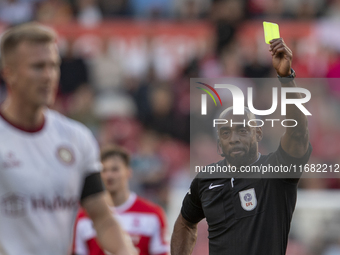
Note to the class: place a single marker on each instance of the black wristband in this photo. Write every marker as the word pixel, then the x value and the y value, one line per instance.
pixel 92 185
pixel 288 78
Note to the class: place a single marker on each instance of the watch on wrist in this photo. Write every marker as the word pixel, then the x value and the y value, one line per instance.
pixel 288 78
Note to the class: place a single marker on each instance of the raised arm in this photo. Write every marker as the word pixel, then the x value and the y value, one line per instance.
pixel 184 236
pixel 109 233
pixel 295 139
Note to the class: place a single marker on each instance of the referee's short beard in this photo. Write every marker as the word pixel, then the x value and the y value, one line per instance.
pixel 244 160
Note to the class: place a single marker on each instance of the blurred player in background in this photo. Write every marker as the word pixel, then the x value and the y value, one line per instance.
pixel 247 216
pixel 143 220
pixel 48 163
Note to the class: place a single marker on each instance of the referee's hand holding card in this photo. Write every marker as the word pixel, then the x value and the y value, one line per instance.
pixel 281 57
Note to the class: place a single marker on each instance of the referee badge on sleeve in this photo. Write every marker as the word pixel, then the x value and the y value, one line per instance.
pixel 248 199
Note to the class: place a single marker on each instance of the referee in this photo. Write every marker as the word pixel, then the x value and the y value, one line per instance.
pixel 247 216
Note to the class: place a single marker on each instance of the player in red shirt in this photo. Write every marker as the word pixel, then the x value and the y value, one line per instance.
pixel 144 221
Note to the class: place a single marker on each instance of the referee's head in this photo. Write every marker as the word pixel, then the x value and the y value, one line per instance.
pixel 238 138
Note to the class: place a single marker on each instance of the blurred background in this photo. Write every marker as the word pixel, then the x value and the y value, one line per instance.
pixel 126 69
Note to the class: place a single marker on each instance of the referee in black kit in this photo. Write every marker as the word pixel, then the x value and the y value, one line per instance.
pixel 247 216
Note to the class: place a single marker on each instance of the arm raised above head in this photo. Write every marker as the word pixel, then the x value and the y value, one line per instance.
pixel 296 139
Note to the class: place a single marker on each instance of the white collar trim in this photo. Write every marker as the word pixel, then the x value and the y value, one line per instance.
pixel 127 204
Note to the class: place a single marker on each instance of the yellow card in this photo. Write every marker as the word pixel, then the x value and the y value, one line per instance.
pixel 271 31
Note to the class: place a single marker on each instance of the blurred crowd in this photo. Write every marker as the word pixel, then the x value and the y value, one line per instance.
pixel 232 11
pixel 139 102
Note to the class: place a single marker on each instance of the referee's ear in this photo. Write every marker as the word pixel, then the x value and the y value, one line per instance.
pixel 219 147
pixel 259 134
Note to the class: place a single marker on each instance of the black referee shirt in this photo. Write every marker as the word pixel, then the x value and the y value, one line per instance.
pixel 246 216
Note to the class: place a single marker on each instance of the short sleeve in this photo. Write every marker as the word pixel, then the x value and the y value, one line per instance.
pixel 159 244
pixel 285 159
pixel 90 153
pixel 84 232
pixel 192 208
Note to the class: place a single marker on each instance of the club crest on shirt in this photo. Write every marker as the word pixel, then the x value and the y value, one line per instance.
pixel 65 155
pixel 248 199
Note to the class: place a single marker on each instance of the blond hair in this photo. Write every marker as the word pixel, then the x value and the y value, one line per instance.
pixel 32 32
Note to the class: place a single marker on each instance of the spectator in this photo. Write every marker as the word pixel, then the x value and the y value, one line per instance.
pixel 88 12
pixel 73 71
pixel 115 8
pixel 15 12
pixel 54 11
pixel 105 68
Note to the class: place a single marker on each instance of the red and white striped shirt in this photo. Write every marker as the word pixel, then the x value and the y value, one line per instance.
pixel 144 221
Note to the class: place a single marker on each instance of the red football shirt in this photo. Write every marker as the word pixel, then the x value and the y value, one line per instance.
pixel 144 221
